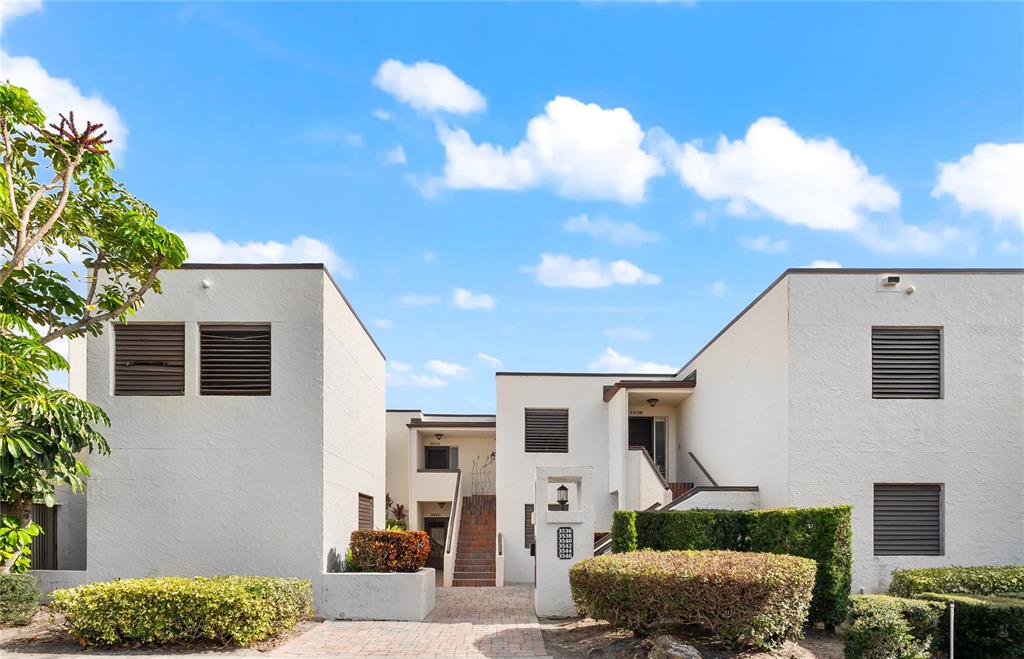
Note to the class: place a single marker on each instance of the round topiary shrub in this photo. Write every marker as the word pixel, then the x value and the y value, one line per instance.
pixel 19 598
pixel 739 599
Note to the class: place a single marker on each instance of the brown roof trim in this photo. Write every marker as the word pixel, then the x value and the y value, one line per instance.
pixel 392 409
pixel 556 374
pixel 288 266
pixel 457 415
pixel 850 271
pixel 452 424
pixel 610 391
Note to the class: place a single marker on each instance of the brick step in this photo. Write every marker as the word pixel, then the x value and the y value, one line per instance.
pixel 476 555
pixel 479 583
pixel 469 564
pixel 474 576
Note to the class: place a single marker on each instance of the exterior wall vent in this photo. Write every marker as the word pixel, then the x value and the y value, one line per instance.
pixel 908 519
pixel 234 360
pixel 149 359
pixel 547 431
pixel 906 362
pixel 365 512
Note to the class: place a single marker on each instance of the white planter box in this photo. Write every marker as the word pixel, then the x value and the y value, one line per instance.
pixel 377 595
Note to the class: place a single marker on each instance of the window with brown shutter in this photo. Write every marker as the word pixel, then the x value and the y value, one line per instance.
pixel 44 545
pixel 906 362
pixel 365 513
pixel 547 431
pixel 908 519
pixel 149 359
pixel 234 360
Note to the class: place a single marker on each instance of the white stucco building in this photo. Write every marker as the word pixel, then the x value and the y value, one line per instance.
pixel 899 392
pixel 247 430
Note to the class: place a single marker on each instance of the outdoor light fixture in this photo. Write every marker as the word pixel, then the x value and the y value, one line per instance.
pixel 442 504
pixel 563 497
pixel 652 401
pixel 438 436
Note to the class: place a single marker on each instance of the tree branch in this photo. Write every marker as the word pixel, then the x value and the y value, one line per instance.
pixel 10 175
pixel 97 264
pixel 87 319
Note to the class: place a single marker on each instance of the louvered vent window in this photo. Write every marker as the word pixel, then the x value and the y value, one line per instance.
pixel 528 526
pixel 906 362
pixel 234 360
pixel 908 520
pixel 149 360
pixel 547 431
pixel 365 513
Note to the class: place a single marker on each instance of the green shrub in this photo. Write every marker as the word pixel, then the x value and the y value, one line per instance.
pixel 882 633
pixel 979 580
pixel 744 600
pixel 227 610
pixel 871 632
pixel 985 626
pixel 822 534
pixel 623 531
pixel 19 598
pixel 388 551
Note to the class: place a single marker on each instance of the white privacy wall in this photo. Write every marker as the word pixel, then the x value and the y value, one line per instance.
pixel 215 484
pixel 972 440
pixel 354 440
pixel 735 421
pixel 516 469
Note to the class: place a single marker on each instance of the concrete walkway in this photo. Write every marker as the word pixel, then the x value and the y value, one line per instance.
pixel 466 622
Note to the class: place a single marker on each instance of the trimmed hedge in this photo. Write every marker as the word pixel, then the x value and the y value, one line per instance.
pixel 885 626
pixel 985 626
pixel 823 534
pixel 623 531
pixel 19 598
pixel 741 599
pixel 388 551
pixel 232 610
pixel 979 580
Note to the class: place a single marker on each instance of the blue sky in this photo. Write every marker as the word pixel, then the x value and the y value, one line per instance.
pixel 607 183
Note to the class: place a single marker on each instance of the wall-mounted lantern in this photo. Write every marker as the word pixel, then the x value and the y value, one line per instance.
pixel 563 497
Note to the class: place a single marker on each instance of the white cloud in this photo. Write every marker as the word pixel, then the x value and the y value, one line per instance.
pixel 718 289
pixel 805 181
pixel 580 150
pixel 466 299
pixel 990 180
pixel 57 95
pixel 332 134
pixel 446 369
pixel 563 271
pixel 383 323
pixel 396 156
pixel 207 247
pixel 765 244
pixel 611 361
pixel 627 334
pixel 400 374
pixel 490 360
pixel 428 86
pixel 418 300
pixel 615 232
pixel 1008 247
pixel 383 115
pixel 895 237
pixel 821 263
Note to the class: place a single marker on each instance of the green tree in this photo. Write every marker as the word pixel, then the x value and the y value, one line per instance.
pixel 61 211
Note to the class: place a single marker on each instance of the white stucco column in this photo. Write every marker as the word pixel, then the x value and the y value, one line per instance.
pixel 564 537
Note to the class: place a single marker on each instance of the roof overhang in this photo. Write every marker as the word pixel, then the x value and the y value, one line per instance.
pixel 652 386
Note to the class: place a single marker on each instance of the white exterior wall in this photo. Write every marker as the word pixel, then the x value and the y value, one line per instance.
pixel 972 440
pixel 643 486
pixel 353 424
pixel 398 469
pixel 735 421
pixel 516 469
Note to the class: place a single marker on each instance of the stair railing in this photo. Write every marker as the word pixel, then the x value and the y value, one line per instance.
pixel 451 543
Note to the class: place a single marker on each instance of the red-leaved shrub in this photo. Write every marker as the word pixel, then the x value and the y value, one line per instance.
pixel 388 551
pixel 740 599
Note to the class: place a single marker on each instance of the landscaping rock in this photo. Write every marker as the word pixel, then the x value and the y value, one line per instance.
pixel 667 647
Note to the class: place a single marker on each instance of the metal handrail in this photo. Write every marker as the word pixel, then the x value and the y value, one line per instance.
pixel 703 470
pixel 454 520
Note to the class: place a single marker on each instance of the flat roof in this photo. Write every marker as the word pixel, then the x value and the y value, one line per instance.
pixel 286 266
pixel 582 375
pixel 451 424
pixel 611 390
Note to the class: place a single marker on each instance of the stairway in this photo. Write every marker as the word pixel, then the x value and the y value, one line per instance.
pixel 679 489
pixel 474 558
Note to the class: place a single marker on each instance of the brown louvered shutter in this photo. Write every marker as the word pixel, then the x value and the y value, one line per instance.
pixel 365 513
pixel 906 362
pixel 908 520
pixel 44 545
pixel 547 431
pixel 149 360
pixel 234 360
pixel 528 526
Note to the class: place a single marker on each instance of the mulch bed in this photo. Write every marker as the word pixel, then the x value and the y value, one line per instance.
pixel 599 640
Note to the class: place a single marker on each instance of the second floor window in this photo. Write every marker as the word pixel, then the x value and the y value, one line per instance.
pixel 234 360
pixel 547 431
pixel 906 362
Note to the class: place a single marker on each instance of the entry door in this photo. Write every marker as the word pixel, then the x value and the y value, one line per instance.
pixel 650 433
pixel 437 529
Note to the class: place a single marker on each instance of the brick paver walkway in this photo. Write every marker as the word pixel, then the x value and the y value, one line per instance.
pixel 466 622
